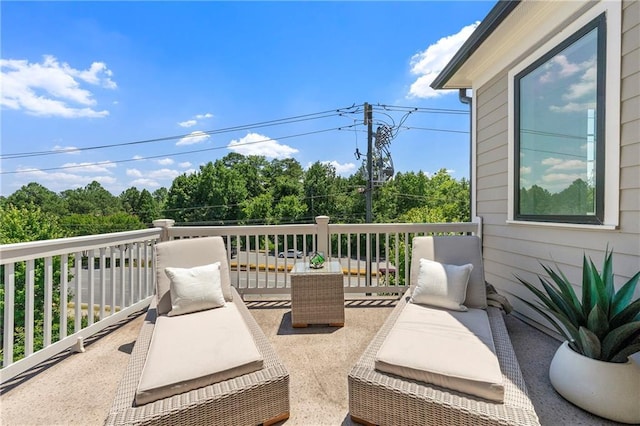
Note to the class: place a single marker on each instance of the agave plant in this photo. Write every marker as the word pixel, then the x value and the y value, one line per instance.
pixel 605 325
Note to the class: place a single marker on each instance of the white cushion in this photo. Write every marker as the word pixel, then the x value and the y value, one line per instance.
pixel 442 285
pixel 194 289
pixel 450 349
pixel 187 253
pixel 192 351
pixel 454 250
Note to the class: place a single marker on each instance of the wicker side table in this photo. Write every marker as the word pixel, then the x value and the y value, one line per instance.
pixel 317 295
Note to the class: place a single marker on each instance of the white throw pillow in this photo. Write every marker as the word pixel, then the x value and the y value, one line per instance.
pixel 195 289
pixel 442 285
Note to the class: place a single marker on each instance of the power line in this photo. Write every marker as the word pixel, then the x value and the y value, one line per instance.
pixel 383 107
pixel 341 112
pixel 430 129
pixel 76 166
pixel 281 121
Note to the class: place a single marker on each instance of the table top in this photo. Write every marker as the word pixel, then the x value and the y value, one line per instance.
pixel 333 267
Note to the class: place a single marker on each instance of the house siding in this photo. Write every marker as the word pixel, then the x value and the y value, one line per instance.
pixel 514 249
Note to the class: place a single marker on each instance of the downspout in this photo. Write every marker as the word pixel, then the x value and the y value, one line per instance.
pixel 462 96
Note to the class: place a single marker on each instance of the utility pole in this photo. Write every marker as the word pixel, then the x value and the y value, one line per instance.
pixel 368 119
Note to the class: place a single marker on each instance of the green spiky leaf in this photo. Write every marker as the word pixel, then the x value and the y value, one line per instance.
pixel 623 355
pixel 591 346
pixel 598 322
pixel 623 297
pixel 620 337
pixel 628 314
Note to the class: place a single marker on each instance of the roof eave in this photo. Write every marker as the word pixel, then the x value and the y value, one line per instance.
pixel 494 18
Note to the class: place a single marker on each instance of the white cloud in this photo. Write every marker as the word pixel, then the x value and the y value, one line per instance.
pixel 525 170
pixel 573 107
pixel 184 164
pixel 62 180
pixel 99 167
pixel 134 173
pixel 580 95
pixel 149 183
pixel 163 174
pixel 160 174
pixel 257 144
pixel 67 149
pixel 188 123
pixel 193 138
pixel 586 87
pixel 341 169
pixel 193 121
pixel 558 164
pixel 138 157
pixel 165 161
pixel 52 89
pixel 430 62
pixel 562 178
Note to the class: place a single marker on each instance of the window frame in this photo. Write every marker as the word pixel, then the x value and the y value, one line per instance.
pixel 548 38
pixel 599 23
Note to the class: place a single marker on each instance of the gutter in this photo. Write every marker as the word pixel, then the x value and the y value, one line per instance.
pixel 500 11
pixel 468 100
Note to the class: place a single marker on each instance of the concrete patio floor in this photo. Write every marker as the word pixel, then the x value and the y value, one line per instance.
pixel 77 389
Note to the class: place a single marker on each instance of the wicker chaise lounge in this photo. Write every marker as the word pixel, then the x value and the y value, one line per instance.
pixel 258 397
pixel 381 398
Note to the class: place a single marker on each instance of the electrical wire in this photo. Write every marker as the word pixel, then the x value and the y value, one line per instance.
pixel 277 122
pixel 353 109
pixel 75 166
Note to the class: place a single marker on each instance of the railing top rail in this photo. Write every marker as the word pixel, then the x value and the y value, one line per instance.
pixel 404 227
pixel 185 231
pixel 37 249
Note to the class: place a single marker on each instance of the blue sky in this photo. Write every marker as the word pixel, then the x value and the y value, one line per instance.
pixel 79 75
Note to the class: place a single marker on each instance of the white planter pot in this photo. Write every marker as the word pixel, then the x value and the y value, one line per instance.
pixel 606 389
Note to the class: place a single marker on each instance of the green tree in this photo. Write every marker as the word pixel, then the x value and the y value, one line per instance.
pixel 92 199
pixel 252 168
pixel 181 199
pixel 130 199
pixel 576 199
pixel 290 209
pixel 160 196
pixel 258 210
pixel 319 186
pixel 36 194
pixel 535 200
pixel 88 224
pixel 147 209
pixel 284 178
pixel 23 225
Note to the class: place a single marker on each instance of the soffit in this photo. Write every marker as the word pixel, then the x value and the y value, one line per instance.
pixel 525 27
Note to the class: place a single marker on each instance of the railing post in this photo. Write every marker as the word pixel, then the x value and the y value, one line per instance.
pixel 478 221
pixel 165 224
pixel 323 234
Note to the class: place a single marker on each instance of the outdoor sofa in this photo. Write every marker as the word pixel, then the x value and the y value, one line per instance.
pixel 184 368
pixel 436 366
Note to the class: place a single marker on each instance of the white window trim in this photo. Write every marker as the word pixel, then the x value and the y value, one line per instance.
pixel 613 10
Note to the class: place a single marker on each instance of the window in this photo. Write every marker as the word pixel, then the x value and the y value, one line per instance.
pixel 559 129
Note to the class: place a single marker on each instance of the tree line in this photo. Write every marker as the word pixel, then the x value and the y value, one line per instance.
pixel 238 189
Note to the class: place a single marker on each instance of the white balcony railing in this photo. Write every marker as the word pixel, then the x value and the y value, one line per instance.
pixel 100 279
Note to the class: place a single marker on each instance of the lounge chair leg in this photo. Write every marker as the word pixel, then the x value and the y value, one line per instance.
pixel 276 419
pixel 78 346
pixel 362 422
